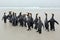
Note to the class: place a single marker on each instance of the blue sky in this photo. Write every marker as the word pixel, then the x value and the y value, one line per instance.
pixel 29 3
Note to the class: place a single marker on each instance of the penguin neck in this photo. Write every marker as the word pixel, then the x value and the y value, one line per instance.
pixel 46 17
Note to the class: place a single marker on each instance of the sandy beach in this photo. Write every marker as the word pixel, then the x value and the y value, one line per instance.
pixel 9 32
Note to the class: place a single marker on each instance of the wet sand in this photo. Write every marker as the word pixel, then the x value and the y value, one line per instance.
pixel 9 32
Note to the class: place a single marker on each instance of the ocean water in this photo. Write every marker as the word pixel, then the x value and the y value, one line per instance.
pixel 9 32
